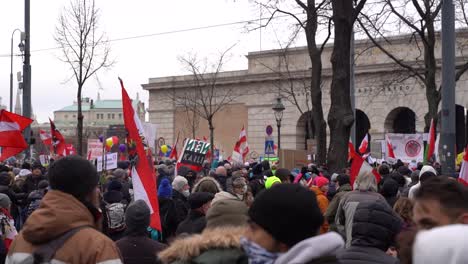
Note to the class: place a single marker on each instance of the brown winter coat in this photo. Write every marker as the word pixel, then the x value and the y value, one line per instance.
pixel 59 212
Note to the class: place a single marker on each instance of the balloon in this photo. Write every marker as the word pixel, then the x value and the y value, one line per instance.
pixel 122 147
pixel 115 140
pixel 109 143
pixel 101 138
pixel 164 149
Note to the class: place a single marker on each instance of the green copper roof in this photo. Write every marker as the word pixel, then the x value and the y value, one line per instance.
pixel 102 104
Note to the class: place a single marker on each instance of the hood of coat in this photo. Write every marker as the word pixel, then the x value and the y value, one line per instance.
pixel 193 246
pixel 205 179
pixel 328 244
pixel 317 190
pixel 345 188
pixel 58 213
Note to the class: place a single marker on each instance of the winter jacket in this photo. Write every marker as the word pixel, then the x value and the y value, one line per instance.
pixel 257 184
pixel 139 249
pixel 319 249
pixel 222 180
pixel 181 205
pixel 193 224
pixel 333 206
pixel 32 183
pixel 213 246
pixel 375 227
pixel 323 202
pixel 390 191
pixel 111 197
pixel 60 212
pixel 168 215
pixel 346 209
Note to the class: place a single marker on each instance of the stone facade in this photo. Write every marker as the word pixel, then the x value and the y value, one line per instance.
pixel 383 90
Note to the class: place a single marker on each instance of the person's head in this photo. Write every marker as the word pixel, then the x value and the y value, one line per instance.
pixel 76 176
pixel 227 212
pixel 239 186
pixel 5 201
pixel 266 165
pixel 207 184
pixel 404 208
pixel 119 174
pixel 37 170
pixel 270 181
pixel 200 201
pixel 5 179
pixel 221 171
pixel 389 188
pixel 322 183
pixel 440 201
pixel 180 184
pixel 399 178
pixel 423 177
pixel 341 180
pixel 114 186
pixel 365 182
pixel 283 216
pixel 384 169
pixel 415 176
pixel 137 218
pixel 333 178
pixel 284 175
pixel 404 171
pixel 165 189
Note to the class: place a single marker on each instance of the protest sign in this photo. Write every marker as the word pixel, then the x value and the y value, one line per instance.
pixel 111 162
pixel 193 154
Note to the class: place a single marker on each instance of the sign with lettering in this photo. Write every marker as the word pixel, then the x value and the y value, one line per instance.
pixel 193 154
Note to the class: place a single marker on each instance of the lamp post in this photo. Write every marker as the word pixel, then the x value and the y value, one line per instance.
pixel 278 108
pixel 11 67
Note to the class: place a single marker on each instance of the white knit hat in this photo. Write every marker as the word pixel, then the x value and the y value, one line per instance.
pixel 178 183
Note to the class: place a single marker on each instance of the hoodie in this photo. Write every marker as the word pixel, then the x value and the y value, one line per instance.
pixel 412 191
pixel 322 246
pixel 60 212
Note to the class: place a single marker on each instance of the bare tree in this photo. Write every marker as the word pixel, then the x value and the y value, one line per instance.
pixel 341 116
pixel 205 97
pixel 420 19
pixel 83 47
pixel 317 14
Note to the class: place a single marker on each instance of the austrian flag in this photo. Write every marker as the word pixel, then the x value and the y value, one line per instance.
pixel 11 139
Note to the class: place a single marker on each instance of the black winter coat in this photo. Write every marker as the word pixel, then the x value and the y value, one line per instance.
pixel 32 183
pixel 193 224
pixel 181 205
pixel 109 198
pixel 139 249
pixel 168 215
pixel 366 255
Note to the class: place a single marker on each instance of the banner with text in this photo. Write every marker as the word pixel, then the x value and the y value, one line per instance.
pixel 407 147
pixel 94 149
pixel 193 154
pixel 111 162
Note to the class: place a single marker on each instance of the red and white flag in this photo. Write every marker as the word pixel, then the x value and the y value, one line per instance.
pixel 390 152
pixel 45 137
pixel 364 145
pixel 174 149
pixel 58 142
pixel 143 177
pixel 463 175
pixel 431 143
pixel 360 166
pixel 241 148
pixel 11 138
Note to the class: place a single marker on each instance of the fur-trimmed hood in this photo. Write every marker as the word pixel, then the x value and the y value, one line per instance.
pixel 191 247
pixel 204 179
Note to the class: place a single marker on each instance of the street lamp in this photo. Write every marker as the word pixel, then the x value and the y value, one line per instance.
pixel 11 67
pixel 278 108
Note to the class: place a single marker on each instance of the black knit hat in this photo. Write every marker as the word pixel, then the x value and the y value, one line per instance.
pixel 137 216
pixel 288 212
pixel 73 175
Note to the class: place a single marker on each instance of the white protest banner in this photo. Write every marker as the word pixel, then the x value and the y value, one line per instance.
pixel 111 162
pixel 150 135
pixel 94 149
pixel 44 159
pixel 407 147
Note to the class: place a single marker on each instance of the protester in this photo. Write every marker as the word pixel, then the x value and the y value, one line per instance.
pixel 113 211
pixel 365 189
pixel 374 229
pixel 332 186
pixel 404 209
pixel 257 181
pixel 7 226
pixel 136 247
pixel 320 189
pixel 221 177
pixel 195 222
pixel 283 228
pixel 447 244
pixel 207 184
pixel 440 201
pixel 18 199
pixel 167 211
pixel 218 243
pixel 414 180
pixel 284 175
pixel 35 197
pixel 428 172
pixel 270 181
pixel 390 191
pixel 180 193
pixel 343 186
pixel 64 225
pixel 32 180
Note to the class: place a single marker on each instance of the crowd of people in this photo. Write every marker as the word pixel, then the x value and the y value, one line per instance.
pixel 231 213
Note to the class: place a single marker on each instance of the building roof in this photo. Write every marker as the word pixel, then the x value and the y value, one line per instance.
pixel 101 104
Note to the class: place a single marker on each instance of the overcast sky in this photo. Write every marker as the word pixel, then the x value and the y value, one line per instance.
pixel 137 59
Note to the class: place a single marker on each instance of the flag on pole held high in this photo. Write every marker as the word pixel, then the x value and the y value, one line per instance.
pixel 360 166
pixel 430 148
pixel 58 142
pixel 364 144
pixel 390 152
pixel 174 154
pixel 241 148
pixel 46 138
pixel 143 177
pixel 11 138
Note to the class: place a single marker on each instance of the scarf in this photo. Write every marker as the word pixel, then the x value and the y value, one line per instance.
pixel 256 253
pixel 7 228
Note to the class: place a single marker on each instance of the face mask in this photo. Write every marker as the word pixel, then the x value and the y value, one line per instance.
pixel 251 175
pixel 256 253
pixel 186 193
pixel 245 189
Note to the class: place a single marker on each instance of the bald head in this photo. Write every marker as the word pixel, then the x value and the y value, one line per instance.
pixel 221 171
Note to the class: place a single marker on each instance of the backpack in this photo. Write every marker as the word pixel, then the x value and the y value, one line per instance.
pixel 115 217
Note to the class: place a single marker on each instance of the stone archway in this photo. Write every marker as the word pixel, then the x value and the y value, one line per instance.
pixel 362 126
pixel 304 131
pixel 401 120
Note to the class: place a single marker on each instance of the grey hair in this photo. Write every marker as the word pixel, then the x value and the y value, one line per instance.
pixel 365 182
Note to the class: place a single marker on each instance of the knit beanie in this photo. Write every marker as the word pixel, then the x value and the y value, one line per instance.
pixel 321 181
pixel 137 216
pixel 5 201
pixel 289 220
pixel 270 181
pixel 114 186
pixel 5 178
pixel 178 183
pixel 119 174
pixel 227 212
pixel 165 189
pixel 283 174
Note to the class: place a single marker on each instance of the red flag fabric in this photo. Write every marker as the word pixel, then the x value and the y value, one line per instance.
pixel 244 146
pixel 431 139
pixel 360 166
pixel 11 138
pixel 351 150
pixel 364 145
pixel 143 177
pixel 463 175
pixel 45 137
pixel 174 150
pixel 69 150
pixel 390 152
pixel 58 142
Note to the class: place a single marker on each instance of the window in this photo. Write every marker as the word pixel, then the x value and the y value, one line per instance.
pixel 97 116
pixel 120 116
pixel 102 116
pixel 66 116
pixel 108 116
pixel 113 116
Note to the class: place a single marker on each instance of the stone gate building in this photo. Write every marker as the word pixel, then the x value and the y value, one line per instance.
pixel 388 100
